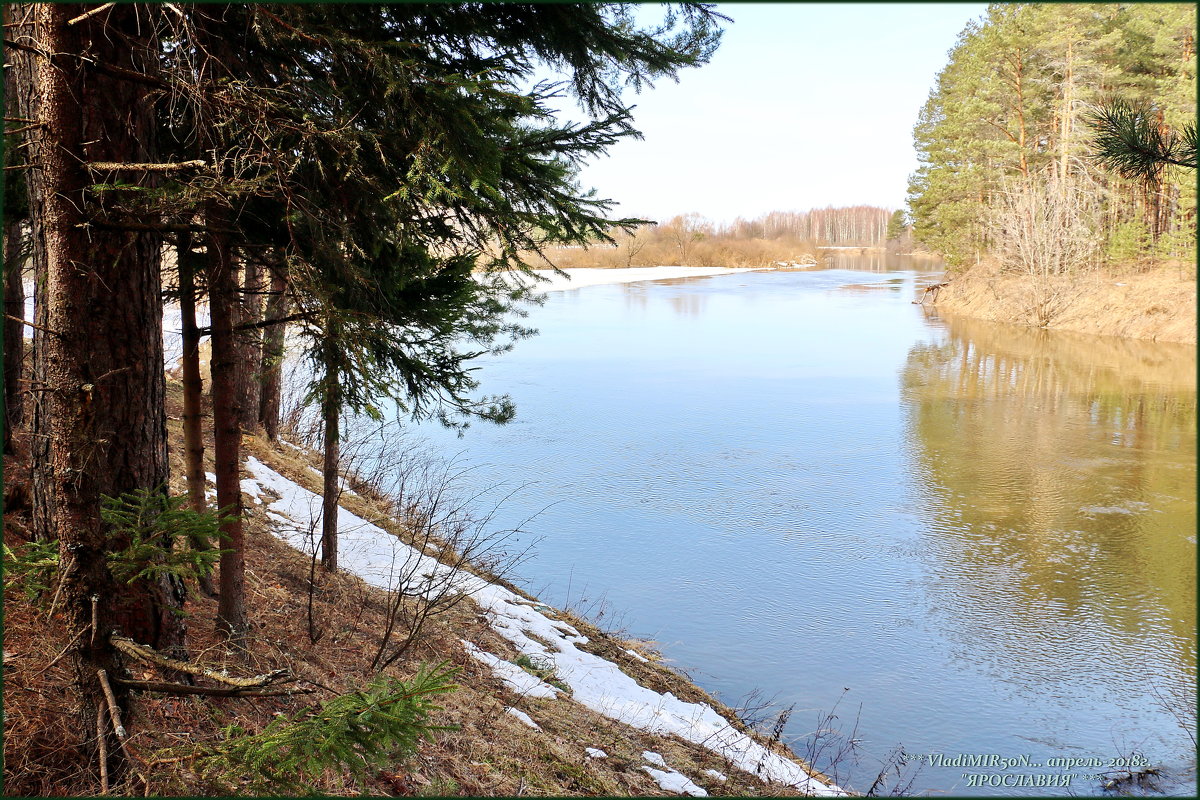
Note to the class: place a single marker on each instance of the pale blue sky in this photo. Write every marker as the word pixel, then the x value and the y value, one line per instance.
pixel 804 105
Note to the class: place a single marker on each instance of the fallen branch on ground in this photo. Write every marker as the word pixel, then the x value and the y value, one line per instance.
pixel 143 653
pixel 214 691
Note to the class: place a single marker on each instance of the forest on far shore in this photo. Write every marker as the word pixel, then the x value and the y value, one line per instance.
pixel 1009 145
pixel 776 237
pixel 1007 139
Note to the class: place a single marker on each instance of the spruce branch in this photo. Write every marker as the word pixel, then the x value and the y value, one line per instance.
pixel 359 733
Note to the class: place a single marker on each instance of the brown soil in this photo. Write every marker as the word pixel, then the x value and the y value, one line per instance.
pixel 490 753
pixel 1158 304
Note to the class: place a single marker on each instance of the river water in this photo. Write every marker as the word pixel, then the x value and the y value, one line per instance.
pixel 964 539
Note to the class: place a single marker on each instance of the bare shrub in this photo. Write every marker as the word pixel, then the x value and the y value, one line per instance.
pixel 836 752
pixel 449 531
pixel 1046 225
pixel 629 246
pixel 452 537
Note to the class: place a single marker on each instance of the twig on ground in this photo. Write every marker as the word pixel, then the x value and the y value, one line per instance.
pixel 103 749
pixel 143 653
pixel 165 687
pixel 113 711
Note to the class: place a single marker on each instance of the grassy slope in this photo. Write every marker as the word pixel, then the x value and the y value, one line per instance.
pixel 1159 304
pixel 492 752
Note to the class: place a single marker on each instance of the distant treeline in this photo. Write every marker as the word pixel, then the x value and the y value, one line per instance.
pixel 778 236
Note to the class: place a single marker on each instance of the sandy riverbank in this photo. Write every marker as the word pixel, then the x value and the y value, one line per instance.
pixel 1158 305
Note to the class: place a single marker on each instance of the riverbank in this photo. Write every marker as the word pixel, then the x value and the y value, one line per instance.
pixel 545 703
pixel 1157 305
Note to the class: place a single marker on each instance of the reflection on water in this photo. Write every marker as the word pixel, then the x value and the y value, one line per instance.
pixel 798 482
pixel 685 304
pixel 875 260
pixel 1057 475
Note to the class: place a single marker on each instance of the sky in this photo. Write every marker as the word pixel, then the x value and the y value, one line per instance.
pixel 804 105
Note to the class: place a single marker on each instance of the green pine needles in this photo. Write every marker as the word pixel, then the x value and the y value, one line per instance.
pixel 151 521
pixel 145 525
pixel 1130 141
pixel 31 566
pixel 357 734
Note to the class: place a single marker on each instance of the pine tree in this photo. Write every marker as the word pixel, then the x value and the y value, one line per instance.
pixel 1010 107
pixel 99 375
pixel 373 157
pixel 1130 142
pixel 387 306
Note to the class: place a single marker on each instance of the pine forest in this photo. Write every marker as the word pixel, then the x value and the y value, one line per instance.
pixel 1006 139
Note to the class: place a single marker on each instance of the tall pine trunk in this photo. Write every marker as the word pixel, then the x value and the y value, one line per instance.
pixel 193 412
pixel 14 285
pixel 102 418
pixel 14 330
pixel 28 94
pixel 249 346
pixel 223 290
pixel 272 354
pixel 227 433
pixel 193 384
pixel 330 410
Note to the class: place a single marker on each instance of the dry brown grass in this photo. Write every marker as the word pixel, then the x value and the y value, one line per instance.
pixel 1157 304
pixel 491 752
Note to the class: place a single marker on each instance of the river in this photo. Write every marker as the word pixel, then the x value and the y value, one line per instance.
pixel 959 538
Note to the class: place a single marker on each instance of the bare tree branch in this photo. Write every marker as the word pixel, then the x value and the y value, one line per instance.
pixel 112 166
pixel 92 13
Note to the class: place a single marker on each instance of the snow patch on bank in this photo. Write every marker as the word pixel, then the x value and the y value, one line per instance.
pixel 521 715
pixel 513 676
pixel 384 561
pixel 676 782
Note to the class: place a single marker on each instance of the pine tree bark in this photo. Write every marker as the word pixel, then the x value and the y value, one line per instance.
pixel 249 346
pixel 330 409
pixel 272 355
pixel 101 416
pixel 14 331
pixel 193 412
